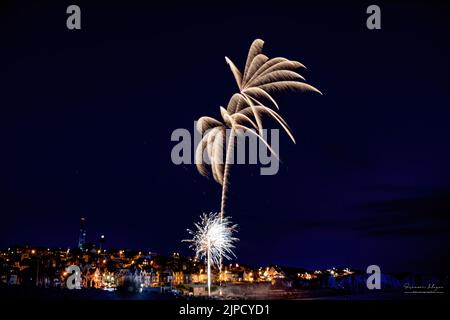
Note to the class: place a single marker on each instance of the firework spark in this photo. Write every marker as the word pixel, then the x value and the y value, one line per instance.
pixel 212 240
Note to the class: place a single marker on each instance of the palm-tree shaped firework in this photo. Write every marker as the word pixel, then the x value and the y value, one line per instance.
pixel 261 77
pixel 212 240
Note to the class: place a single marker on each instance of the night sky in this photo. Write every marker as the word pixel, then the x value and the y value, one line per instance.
pixel 86 118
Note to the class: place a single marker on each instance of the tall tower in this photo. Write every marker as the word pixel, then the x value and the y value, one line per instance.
pixel 82 238
pixel 102 242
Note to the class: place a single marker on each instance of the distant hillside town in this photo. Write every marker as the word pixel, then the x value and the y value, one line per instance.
pixel 138 270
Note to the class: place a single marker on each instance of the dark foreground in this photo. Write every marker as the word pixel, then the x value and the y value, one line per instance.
pixel 33 293
pixel 53 303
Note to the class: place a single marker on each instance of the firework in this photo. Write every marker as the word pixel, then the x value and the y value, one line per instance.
pixel 262 76
pixel 213 239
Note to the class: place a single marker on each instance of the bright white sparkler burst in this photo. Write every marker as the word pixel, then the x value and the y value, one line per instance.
pixel 213 236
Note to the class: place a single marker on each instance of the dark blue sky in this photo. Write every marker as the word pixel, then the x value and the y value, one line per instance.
pixel 86 118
